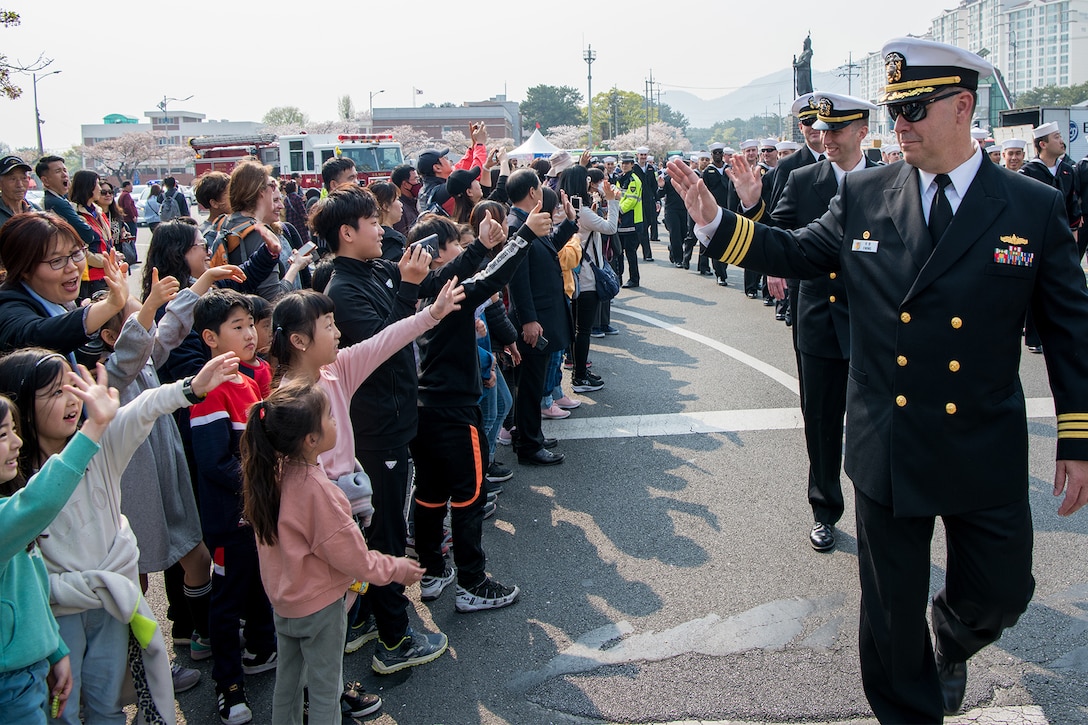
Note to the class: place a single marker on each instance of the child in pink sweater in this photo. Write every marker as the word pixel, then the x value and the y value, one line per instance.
pixel 310 548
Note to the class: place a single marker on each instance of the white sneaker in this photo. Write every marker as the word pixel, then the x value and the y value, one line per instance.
pixel 430 587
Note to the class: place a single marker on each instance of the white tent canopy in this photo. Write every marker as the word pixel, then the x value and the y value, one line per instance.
pixel 536 147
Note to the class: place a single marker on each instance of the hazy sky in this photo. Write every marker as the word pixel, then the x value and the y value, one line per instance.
pixel 239 58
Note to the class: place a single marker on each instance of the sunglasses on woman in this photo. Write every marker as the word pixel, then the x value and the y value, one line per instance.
pixel 917 110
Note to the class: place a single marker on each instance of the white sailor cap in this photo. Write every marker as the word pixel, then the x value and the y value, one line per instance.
pixel 835 111
pixel 702 155
pixel 917 69
pixel 716 146
pixel 979 134
pixel 804 107
pixel 1046 129
pixel 749 143
pixel 891 148
pixel 642 150
pixel 768 143
pixel 729 151
pixel 1014 143
pixel 610 159
pixel 993 149
pixel 787 146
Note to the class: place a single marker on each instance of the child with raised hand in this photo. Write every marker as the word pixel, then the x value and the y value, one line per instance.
pixel 89 549
pixel 35 670
pixel 310 549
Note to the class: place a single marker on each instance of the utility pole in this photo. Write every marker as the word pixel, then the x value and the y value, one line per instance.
pixel 589 57
pixel 659 100
pixel 779 115
pixel 848 71
pixel 37 115
pixel 649 97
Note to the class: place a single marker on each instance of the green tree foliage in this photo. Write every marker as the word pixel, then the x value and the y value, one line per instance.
pixel 626 110
pixel 285 116
pixel 1054 96
pixel 733 132
pixel 552 106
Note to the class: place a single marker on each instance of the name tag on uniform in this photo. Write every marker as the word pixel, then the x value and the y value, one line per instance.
pixel 865 245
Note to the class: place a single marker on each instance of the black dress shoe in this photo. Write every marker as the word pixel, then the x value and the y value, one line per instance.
pixel 780 316
pixel 750 295
pixel 648 259
pixel 723 283
pixel 789 321
pixel 768 302
pixel 1037 349
pixel 822 537
pixel 953 679
pixel 550 443
pixel 630 285
pixel 705 272
pixel 687 265
pixel 543 457
pixel 678 265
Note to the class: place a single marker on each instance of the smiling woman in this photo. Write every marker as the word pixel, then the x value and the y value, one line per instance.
pixel 45 260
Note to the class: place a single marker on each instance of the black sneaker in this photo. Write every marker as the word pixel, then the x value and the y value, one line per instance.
pixel 488 594
pixel 413 649
pixel 497 473
pixel 357 702
pixel 430 587
pixel 586 384
pixel 490 507
pixel 360 634
pixel 256 664
pixel 233 706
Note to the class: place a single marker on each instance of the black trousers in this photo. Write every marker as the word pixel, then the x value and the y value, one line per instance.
pixel 676 222
pixel 649 216
pixel 584 307
pixel 988 585
pixel 823 408
pixel 630 242
pixel 388 471
pixel 530 389
pixel 450 454
pixel 237 593
pixel 751 281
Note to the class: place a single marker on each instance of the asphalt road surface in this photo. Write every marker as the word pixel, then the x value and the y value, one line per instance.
pixel 665 568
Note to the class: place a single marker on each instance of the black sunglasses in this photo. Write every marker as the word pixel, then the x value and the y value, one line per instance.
pixel 917 110
pixel 808 121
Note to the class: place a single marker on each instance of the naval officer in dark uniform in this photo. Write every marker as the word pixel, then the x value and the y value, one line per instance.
pixel 822 322
pixel 942 255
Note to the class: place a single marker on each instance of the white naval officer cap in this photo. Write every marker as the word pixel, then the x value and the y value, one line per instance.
pixel 917 69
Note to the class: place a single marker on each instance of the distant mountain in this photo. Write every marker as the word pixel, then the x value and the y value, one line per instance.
pixel 759 97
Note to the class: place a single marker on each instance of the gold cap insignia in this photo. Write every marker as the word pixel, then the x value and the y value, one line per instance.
pixel 893 66
pixel 1014 240
pixel 812 103
pixel 826 107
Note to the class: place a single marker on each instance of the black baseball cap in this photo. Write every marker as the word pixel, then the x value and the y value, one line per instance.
pixel 427 159
pixel 10 163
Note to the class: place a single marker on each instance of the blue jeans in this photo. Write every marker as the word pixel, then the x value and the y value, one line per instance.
pixel 495 404
pixel 99 657
pixel 552 379
pixel 24 694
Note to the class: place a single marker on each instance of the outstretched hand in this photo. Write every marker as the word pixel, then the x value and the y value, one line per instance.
pixel 697 198
pixel 217 274
pixel 492 233
pixel 539 222
pixel 215 372
pixel 746 180
pixel 100 402
pixel 448 299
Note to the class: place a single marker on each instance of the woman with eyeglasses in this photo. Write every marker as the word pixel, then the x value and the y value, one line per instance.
pixel 45 260
pixel 120 237
pixel 85 195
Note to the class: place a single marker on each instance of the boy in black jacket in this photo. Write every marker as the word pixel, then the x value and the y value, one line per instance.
pixel 450 449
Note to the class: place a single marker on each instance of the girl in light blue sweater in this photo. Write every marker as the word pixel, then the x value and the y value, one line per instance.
pixel 35 674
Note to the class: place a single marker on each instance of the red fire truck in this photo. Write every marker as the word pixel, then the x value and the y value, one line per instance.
pixel 375 155
pixel 221 153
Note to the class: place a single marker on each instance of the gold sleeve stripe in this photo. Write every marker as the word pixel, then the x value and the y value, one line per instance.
pixel 1072 418
pixel 1072 426
pixel 908 85
pixel 1072 434
pixel 741 241
pixel 738 222
pixel 759 212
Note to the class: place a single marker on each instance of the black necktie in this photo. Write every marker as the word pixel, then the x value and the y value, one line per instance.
pixel 821 158
pixel 940 211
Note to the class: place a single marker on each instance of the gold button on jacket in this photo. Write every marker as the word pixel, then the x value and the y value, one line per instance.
pixel 901 400
pixel 950 408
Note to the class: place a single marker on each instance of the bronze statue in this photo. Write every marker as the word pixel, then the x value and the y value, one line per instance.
pixel 802 69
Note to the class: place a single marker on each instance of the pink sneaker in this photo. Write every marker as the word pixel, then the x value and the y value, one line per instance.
pixel 554 412
pixel 566 403
pixel 504 437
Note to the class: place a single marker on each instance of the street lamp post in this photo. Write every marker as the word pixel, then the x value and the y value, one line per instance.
pixel 372 94
pixel 37 115
pixel 589 56
pixel 165 117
